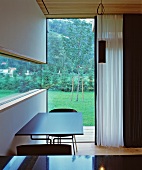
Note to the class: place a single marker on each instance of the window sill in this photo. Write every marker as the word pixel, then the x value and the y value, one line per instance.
pixel 15 100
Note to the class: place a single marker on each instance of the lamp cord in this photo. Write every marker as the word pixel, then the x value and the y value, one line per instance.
pixel 101 13
pixel 102 8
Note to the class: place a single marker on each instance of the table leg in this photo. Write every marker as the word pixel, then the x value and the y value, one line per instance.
pixel 41 139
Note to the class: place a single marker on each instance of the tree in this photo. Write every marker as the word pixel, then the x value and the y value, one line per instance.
pixel 78 47
pixel 69 50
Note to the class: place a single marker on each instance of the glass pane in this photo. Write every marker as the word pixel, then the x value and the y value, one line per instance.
pixel 71 66
pixel 17 77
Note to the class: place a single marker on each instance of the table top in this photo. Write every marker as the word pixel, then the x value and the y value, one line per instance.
pixel 89 162
pixel 61 123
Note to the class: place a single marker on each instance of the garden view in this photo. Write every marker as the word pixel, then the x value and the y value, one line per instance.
pixel 71 64
pixel 69 74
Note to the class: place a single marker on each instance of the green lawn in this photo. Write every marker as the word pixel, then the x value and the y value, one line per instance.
pixel 5 93
pixel 58 99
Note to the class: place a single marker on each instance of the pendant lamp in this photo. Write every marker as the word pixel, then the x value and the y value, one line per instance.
pixel 101 43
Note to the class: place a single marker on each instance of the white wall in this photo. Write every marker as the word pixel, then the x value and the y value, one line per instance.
pixel 12 119
pixel 23 28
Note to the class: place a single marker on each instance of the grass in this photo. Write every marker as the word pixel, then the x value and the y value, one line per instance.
pixel 58 99
pixel 5 93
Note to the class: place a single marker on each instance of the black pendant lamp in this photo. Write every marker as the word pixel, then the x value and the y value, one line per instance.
pixel 101 43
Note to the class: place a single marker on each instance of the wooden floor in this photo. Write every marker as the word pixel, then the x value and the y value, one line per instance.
pixel 90 148
pixel 86 145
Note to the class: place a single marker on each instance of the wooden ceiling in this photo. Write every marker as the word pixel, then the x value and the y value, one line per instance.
pixel 87 8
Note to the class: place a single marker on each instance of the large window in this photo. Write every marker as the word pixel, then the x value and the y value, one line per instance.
pixel 69 74
pixel 71 66
pixel 17 76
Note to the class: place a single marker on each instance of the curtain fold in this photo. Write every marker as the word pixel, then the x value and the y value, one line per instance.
pixel 132 30
pixel 110 82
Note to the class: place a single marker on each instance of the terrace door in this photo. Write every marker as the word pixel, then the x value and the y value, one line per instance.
pixel 71 77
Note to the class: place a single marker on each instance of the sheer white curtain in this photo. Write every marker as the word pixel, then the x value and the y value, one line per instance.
pixel 110 83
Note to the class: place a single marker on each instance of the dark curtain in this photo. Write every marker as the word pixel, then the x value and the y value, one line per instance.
pixel 132 34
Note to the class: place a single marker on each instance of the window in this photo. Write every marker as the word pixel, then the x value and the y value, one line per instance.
pixel 71 66
pixel 18 77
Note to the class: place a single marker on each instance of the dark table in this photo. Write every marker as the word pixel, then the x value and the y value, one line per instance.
pixel 55 123
pixel 62 123
pixel 84 162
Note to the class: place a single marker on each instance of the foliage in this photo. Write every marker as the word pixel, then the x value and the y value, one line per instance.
pixel 19 80
pixel 70 53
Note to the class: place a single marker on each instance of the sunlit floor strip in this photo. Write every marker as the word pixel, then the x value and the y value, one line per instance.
pixel 14 163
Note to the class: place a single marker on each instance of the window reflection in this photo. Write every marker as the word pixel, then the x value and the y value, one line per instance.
pixel 84 162
pixel 14 163
pixel 70 163
pixel 50 162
